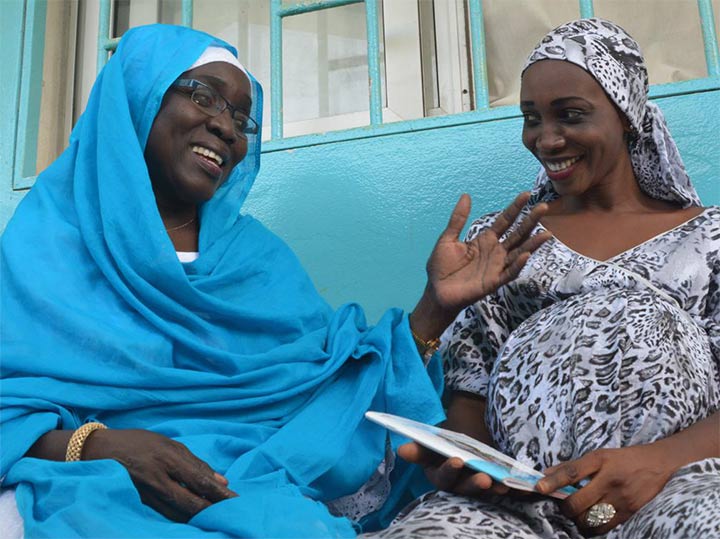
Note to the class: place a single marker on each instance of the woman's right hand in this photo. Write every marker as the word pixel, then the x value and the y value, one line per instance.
pixel 462 272
pixel 451 474
pixel 169 478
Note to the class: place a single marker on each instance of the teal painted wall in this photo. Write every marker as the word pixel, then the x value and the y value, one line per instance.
pixel 363 215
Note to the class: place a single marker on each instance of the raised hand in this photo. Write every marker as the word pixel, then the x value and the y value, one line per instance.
pixel 461 273
pixel 627 478
pixel 169 478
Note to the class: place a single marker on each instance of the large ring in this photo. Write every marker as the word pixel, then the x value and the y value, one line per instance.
pixel 599 515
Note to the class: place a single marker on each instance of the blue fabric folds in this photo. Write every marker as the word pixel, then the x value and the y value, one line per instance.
pixel 235 355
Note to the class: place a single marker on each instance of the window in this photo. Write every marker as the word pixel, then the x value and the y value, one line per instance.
pixel 429 66
pixel 42 116
pixel 325 62
pixel 668 31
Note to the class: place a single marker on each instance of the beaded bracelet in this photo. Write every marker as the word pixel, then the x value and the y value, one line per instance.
pixel 78 439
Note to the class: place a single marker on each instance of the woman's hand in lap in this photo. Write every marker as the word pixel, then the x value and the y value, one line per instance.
pixel 169 478
pixel 450 474
pixel 627 478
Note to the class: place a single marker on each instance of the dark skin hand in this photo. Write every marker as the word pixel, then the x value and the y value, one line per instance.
pixel 460 273
pixel 627 477
pixel 169 478
pixel 630 477
pixel 451 474
pixel 466 413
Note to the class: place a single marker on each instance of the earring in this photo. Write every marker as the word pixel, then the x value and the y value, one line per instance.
pixel 631 138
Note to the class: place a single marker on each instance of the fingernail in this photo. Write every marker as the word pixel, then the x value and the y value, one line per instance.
pixel 221 478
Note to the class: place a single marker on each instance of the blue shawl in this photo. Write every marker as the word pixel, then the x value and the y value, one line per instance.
pixel 235 355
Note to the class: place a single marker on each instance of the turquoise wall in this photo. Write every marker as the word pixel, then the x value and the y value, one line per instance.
pixel 363 215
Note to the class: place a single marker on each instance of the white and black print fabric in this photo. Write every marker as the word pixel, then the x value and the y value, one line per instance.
pixel 579 354
pixel 613 58
pixel 685 509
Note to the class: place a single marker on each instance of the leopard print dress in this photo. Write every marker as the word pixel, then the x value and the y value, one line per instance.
pixel 579 354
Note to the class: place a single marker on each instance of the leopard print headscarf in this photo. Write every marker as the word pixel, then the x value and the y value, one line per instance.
pixel 613 58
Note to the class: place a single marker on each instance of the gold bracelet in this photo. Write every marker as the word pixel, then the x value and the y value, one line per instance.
pixel 78 439
pixel 426 348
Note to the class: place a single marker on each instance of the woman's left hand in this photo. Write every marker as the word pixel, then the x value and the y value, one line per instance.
pixel 627 478
pixel 451 474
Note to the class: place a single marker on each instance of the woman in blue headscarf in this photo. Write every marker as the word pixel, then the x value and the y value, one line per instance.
pixel 168 369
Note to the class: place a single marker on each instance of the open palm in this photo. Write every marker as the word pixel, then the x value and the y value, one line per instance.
pixel 461 273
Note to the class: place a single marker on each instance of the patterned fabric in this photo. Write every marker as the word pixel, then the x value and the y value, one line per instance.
pixel 579 354
pixel 372 495
pixel 614 59
pixel 235 354
pixel 687 508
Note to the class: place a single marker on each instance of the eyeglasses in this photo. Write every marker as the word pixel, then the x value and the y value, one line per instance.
pixel 213 104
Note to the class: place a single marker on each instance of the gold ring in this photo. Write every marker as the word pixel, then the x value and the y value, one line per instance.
pixel 599 515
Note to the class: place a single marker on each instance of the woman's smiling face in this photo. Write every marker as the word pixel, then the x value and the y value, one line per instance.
pixel 182 175
pixel 571 126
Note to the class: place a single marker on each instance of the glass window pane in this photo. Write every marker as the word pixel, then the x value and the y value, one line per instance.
pixel 402 59
pixel 325 67
pixel 512 29
pixel 668 31
pixel 325 77
pixel 56 98
pixel 245 24
pixel 669 34
pixel 447 88
pixel 130 13
pixel 428 54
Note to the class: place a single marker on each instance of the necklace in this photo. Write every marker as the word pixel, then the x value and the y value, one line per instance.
pixel 181 226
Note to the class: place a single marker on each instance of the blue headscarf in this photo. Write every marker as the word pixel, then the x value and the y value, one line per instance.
pixel 235 355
